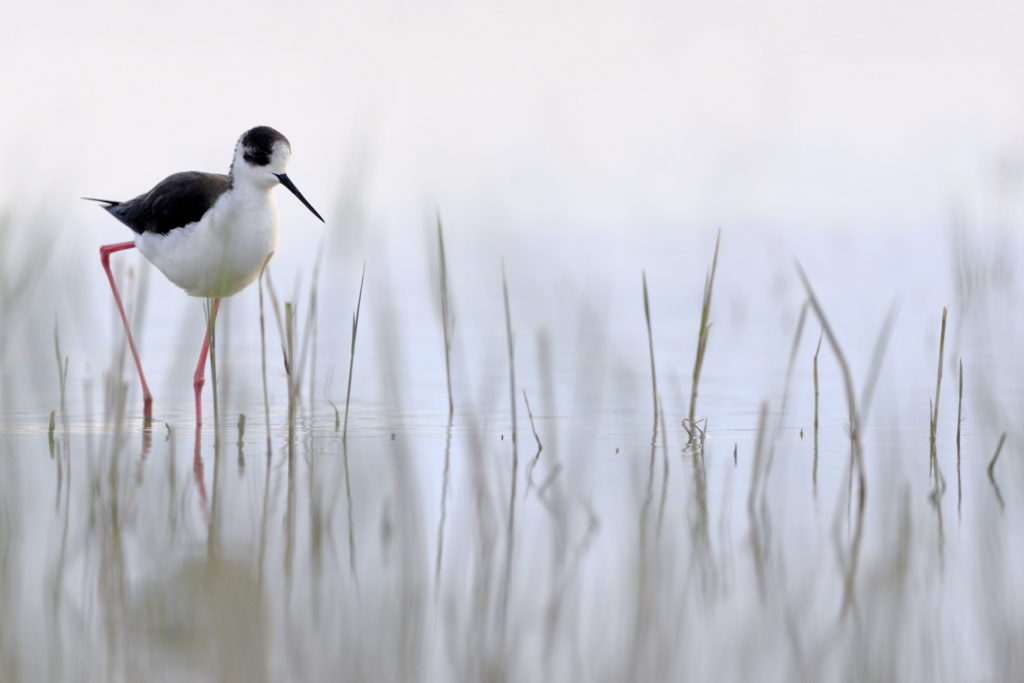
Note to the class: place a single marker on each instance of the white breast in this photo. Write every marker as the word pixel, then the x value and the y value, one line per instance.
pixel 223 252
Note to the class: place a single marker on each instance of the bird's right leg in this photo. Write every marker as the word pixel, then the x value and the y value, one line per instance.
pixel 200 377
pixel 105 252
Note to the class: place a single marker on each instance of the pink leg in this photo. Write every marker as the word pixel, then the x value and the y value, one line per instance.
pixel 105 252
pixel 200 376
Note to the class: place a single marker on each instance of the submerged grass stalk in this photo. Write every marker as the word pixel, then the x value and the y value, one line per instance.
pixel 757 515
pixel 797 336
pixel 705 328
pixel 851 401
pixel 62 372
pixel 533 427
pixel 352 356
pixel 276 307
pixel 995 456
pixel 263 355
pixel 938 376
pixel 540 447
pixel 511 355
pixel 337 415
pixel 447 322
pixel 510 540
pixel 959 421
pixel 309 331
pixel 817 395
pixel 959 408
pixel 650 347
pixel 289 366
pixel 992 471
pixel 817 389
pixel 875 369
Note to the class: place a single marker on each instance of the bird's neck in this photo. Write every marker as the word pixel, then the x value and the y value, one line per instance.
pixel 246 188
pixel 246 204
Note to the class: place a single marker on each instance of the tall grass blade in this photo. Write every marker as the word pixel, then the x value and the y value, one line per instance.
pixel 705 328
pixel 852 562
pixel 309 331
pixel 62 373
pixel 817 397
pixel 959 406
pixel 445 479
pixel 851 401
pixel 992 470
pixel 447 322
pixel 875 369
pixel 938 376
pixel 510 532
pixel 793 349
pixel 263 356
pixel 540 447
pixel 511 355
pixel 959 422
pixel 650 348
pixel 352 351
pixel 290 368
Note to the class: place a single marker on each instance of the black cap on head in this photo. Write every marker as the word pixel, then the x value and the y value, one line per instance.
pixel 258 144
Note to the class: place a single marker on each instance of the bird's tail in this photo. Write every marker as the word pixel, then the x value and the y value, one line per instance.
pixel 108 202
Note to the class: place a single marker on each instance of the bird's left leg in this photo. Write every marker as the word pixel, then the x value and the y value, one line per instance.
pixel 200 376
pixel 105 252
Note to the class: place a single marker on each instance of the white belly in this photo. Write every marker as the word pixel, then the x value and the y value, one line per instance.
pixel 223 252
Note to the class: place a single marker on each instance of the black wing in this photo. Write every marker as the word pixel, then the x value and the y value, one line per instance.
pixel 176 201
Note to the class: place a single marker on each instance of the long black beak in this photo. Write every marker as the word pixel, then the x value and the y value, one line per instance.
pixel 287 182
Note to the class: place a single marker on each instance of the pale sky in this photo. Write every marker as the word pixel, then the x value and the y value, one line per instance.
pixel 584 114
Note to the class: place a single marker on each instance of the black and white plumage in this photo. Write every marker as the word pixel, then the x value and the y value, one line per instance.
pixel 175 202
pixel 210 234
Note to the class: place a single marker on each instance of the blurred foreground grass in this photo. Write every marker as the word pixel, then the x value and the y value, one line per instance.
pixel 440 540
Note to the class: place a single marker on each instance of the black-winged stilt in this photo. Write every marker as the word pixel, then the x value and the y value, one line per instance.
pixel 210 234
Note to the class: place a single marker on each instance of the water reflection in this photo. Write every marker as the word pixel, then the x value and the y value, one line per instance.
pixel 196 577
pixel 778 536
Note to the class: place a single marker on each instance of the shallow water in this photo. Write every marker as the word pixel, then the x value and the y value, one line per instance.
pixel 429 548
pixel 573 147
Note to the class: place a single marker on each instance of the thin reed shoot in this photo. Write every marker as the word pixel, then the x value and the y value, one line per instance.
pixel 309 331
pixel 510 531
pixel 290 368
pixel 992 471
pixel 351 357
pixel 511 355
pixel 959 422
pixel 263 354
pixel 793 349
pixel 650 347
pixel 704 329
pixel 875 369
pixel 938 377
pixel 62 372
pixel 533 427
pixel 995 456
pixel 447 322
pixel 817 387
pixel 959 407
pixel 851 401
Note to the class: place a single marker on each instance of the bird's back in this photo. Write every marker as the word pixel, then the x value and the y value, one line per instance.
pixel 175 202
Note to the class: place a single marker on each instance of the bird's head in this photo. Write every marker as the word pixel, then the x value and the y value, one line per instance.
pixel 261 159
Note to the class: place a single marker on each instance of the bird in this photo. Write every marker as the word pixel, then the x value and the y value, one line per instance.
pixel 210 234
